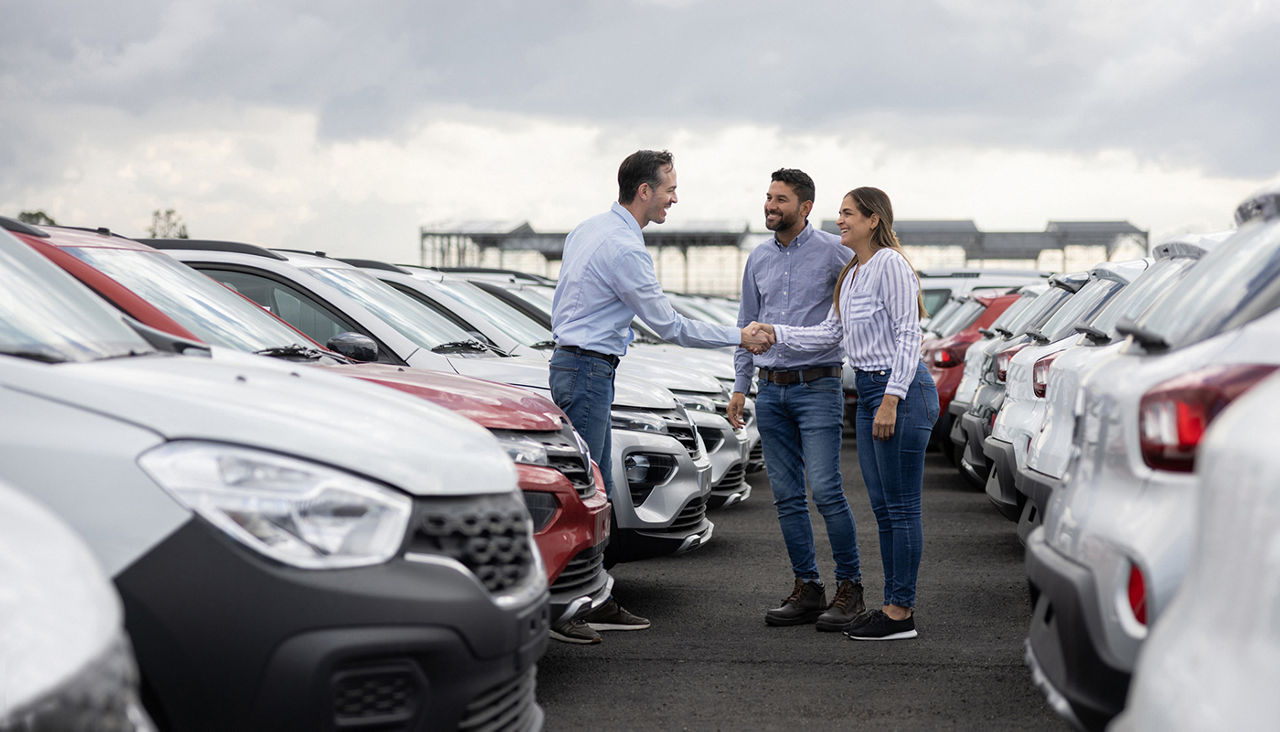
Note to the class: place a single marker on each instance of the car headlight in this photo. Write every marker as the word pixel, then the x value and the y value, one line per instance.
pixel 524 450
pixel 637 421
pixel 697 403
pixel 297 512
pixel 102 695
pixel 542 508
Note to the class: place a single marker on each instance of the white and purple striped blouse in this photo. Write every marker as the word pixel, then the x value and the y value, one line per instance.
pixel 878 323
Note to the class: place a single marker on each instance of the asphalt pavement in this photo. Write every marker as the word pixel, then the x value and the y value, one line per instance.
pixel 710 663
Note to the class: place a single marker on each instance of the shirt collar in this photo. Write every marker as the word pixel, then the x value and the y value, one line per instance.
pixel 626 216
pixel 801 238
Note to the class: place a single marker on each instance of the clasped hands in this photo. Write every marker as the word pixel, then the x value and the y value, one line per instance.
pixel 757 337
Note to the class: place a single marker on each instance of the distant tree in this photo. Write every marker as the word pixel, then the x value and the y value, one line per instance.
pixel 39 218
pixel 167 225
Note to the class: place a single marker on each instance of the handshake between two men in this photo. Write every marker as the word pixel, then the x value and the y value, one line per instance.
pixel 757 337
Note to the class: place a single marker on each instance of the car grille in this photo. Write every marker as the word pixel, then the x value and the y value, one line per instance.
pixel 507 706
pixel 487 534
pixel 565 455
pixel 377 696
pixel 733 479
pixel 581 573
pixel 679 427
pixel 689 518
pixel 756 456
pixel 712 438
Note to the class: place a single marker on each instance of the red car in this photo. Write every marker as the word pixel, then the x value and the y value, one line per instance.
pixel 944 356
pixel 562 488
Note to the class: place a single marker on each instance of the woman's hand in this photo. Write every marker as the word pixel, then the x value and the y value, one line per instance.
pixel 886 418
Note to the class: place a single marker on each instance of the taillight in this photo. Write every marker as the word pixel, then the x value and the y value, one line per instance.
pixel 1137 594
pixel 945 358
pixel 1173 416
pixel 1004 357
pixel 1040 374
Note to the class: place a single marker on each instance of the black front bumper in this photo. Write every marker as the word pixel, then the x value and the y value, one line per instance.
pixel 1061 639
pixel 227 639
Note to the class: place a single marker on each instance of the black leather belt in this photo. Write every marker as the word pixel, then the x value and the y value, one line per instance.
pixel 799 375
pixel 613 360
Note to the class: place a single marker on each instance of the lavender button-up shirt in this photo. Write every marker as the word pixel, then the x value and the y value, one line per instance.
pixel 878 323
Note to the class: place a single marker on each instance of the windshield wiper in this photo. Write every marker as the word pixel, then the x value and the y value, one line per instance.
pixel 1149 340
pixel 1093 334
pixel 542 345
pixel 35 355
pixel 295 350
pixel 1038 335
pixel 1004 332
pixel 456 346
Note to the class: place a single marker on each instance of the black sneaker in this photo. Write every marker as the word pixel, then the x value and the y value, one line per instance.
pixel 846 608
pixel 575 631
pixel 878 626
pixel 805 603
pixel 612 616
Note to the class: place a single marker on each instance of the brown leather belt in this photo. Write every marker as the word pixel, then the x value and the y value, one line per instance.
pixel 795 377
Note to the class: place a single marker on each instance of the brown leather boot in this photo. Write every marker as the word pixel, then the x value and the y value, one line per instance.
pixel 805 603
pixel 847 606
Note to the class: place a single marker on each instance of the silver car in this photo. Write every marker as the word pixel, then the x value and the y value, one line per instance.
pixel 1200 670
pixel 1117 536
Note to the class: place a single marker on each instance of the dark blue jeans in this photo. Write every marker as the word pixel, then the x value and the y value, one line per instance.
pixel 583 387
pixel 800 433
pixel 893 470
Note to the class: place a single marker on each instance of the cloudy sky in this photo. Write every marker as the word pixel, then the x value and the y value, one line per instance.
pixel 344 126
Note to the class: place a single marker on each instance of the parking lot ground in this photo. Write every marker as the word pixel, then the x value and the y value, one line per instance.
pixel 710 662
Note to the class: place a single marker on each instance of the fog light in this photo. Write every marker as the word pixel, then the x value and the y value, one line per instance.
pixel 542 508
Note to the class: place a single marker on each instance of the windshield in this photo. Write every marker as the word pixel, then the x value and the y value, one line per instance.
pixel 212 312
pixel 1039 310
pixel 515 324
pixel 1080 308
pixel 1139 295
pixel 1235 283
pixel 939 320
pixel 415 321
pixel 45 315
pixel 963 317
pixel 1012 312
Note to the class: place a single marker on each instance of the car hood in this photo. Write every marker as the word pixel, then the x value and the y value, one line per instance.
pixel 686 376
pixel 288 408
pixel 488 403
pixel 628 391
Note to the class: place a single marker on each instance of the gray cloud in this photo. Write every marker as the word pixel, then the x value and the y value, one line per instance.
pixel 1161 79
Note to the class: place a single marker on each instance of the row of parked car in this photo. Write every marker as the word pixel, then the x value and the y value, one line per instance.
pixel 1099 411
pixel 372 533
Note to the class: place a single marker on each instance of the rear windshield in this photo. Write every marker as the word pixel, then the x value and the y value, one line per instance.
pixel 1012 312
pixel 1232 285
pixel 1139 295
pixel 934 299
pixel 963 317
pixel 1080 308
pixel 1039 310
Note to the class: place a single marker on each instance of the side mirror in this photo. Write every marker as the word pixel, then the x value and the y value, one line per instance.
pixel 355 346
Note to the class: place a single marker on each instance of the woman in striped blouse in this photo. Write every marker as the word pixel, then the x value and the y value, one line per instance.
pixel 876 316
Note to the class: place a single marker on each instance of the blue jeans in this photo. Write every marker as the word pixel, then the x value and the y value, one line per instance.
pixel 800 433
pixel 583 387
pixel 893 470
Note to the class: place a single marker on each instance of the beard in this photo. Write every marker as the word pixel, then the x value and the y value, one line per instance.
pixel 786 220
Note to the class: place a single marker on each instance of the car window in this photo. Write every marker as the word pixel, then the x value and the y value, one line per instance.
pixel 1080 308
pixel 197 302
pixel 46 315
pixel 518 326
pixel 934 298
pixel 1233 284
pixel 1140 293
pixel 415 321
pixel 290 304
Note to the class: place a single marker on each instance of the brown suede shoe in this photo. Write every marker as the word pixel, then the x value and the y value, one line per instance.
pixel 805 603
pixel 847 606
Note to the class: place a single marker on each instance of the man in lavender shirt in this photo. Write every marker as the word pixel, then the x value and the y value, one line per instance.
pixel 800 405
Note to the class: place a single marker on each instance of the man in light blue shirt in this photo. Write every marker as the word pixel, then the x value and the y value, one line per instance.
pixel 606 279
pixel 800 406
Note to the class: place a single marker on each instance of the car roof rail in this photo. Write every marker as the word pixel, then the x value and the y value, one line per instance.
pixel 374 264
pixel 15 225
pixel 211 245
pixel 494 270
pixel 1263 205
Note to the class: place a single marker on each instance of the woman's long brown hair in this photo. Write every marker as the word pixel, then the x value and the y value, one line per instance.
pixel 875 201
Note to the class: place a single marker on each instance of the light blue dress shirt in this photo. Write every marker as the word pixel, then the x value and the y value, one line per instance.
pixel 606 279
pixel 791 285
